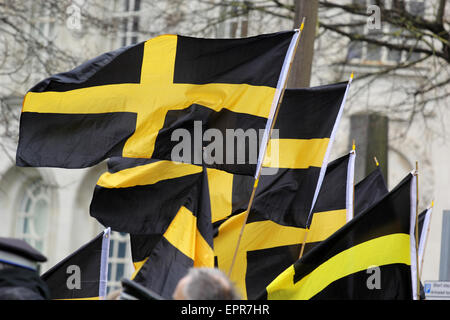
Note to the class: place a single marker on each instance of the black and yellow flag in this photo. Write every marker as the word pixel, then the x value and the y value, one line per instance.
pixel 142 196
pixel 267 248
pixel 297 158
pixel 295 162
pixel 372 257
pixel 129 102
pixel 161 261
pixel 83 274
pixel 370 190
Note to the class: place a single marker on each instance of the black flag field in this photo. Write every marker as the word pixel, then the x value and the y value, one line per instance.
pixel 370 190
pixel 372 257
pixel 139 195
pixel 83 274
pixel 129 102
pixel 296 159
pixel 161 261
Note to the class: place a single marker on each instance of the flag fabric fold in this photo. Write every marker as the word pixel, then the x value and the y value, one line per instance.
pixel 132 101
pixel 372 257
pixel 370 190
pixel 161 261
pixel 142 196
pixel 83 274
pixel 295 159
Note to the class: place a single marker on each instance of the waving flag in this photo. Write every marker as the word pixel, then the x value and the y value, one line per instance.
pixel 83 274
pixel 267 248
pixel 131 101
pixel 370 190
pixel 137 196
pixel 372 257
pixel 161 261
pixel 293 173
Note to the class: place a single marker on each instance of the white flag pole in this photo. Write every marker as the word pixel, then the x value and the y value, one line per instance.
pixel 278 98
pixel 104 264
pixel 424 236
pixel 350 194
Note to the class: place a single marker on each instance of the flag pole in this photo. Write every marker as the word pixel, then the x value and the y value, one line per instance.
pixel 353 181
pixel 263 154
pixel 426 239
pixel 417 231
pixel 376 161
pixel 104 263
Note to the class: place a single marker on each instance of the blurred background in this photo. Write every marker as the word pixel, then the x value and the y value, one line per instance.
pixel 397 109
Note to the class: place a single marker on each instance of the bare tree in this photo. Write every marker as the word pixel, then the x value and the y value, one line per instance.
pixel 412 40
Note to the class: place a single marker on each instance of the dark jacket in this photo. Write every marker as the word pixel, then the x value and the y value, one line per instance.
pixel 22 284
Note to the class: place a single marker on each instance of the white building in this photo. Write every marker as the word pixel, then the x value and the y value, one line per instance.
pixel 50 207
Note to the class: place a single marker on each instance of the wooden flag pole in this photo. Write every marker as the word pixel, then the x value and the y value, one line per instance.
pixel 255 185
pixel 417 231
pixel 376 161
pixel 303 243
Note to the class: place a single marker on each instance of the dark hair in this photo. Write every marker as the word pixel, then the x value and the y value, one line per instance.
pixel 209 284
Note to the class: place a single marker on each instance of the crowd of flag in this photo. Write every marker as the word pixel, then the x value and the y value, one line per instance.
pixel 310 233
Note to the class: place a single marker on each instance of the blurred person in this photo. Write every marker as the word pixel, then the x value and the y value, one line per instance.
pixel 19 278
pixel 205 284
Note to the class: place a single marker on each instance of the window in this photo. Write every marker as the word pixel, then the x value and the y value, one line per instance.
pixel 34 214
pixel 129 17
pixel 44 31
pixel 119 265
pixel 357 49
pixel 416 8
pixel 368 53
pixel 237 25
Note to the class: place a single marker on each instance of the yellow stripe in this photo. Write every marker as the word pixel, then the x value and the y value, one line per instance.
pixel 296 153
pixel 204 254
pixel 147 174
pixel 220 189
pixel 325 223
pixel 266 234
pixel 181 232
pixel 394 248
pixel 158 61
pixel 137 267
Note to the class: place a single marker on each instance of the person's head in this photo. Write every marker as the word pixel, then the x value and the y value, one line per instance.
pixel 19 277
pixel 205 284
